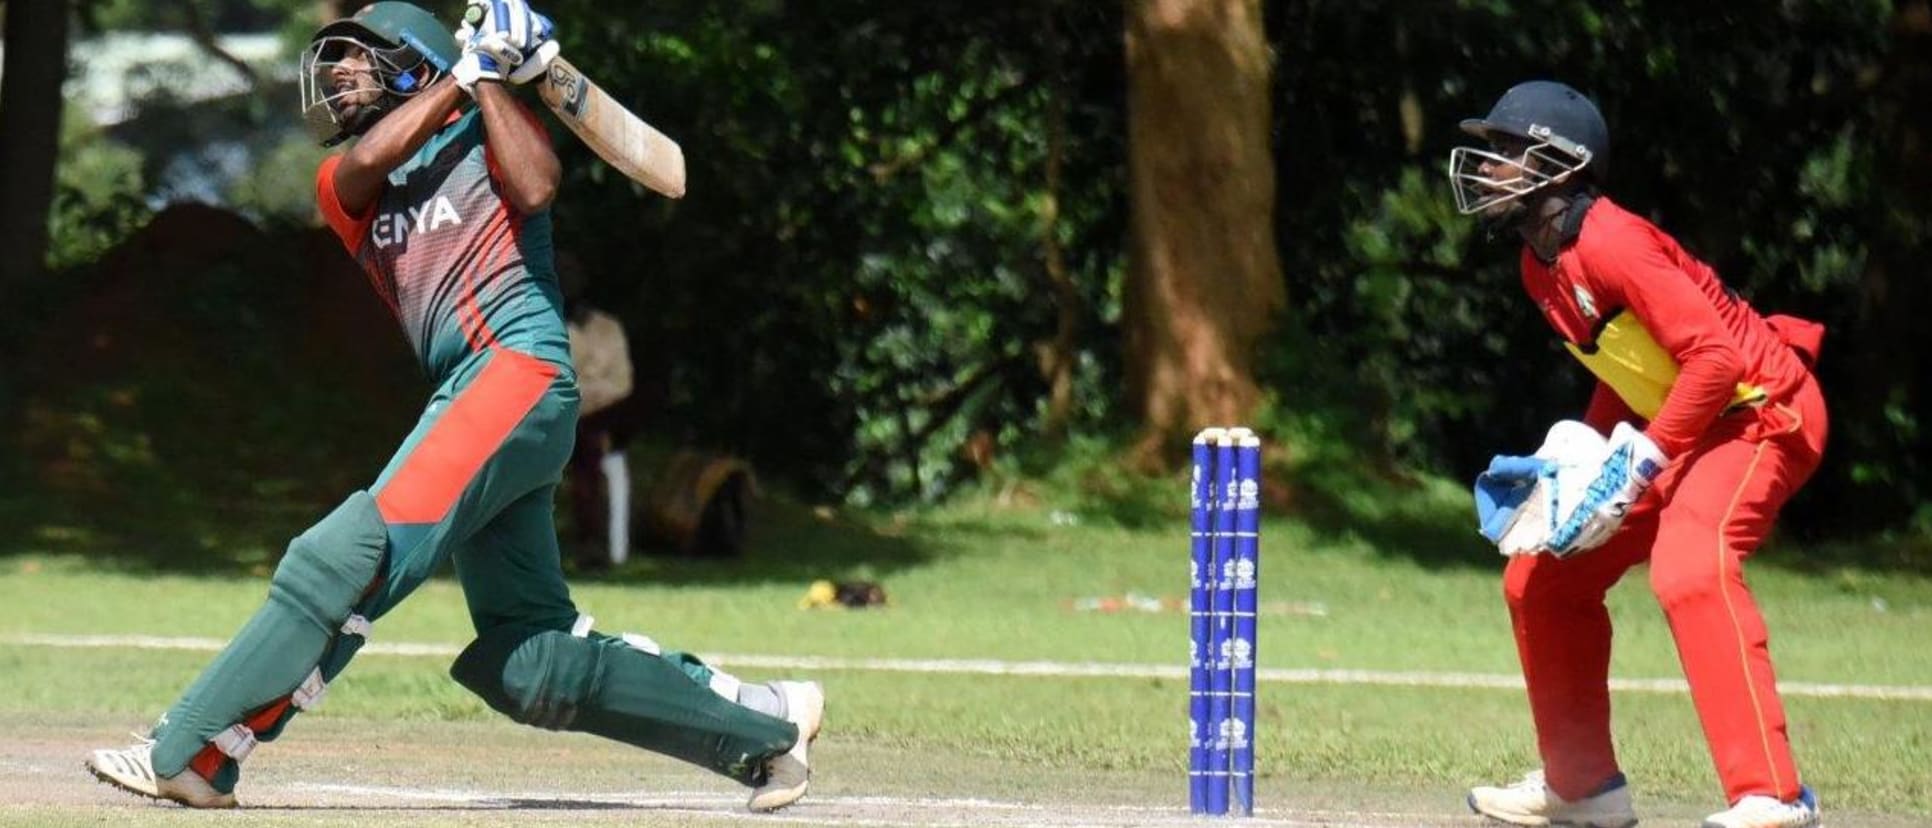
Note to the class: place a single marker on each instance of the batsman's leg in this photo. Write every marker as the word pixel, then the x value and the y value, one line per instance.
pixel 273 667
pixel 471 453
pixel 536 660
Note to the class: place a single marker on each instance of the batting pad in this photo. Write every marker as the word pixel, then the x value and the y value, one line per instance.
pixel 274 657
pixel 602 685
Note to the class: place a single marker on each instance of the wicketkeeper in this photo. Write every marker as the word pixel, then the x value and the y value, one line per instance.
pixel 444 200
pixel 1713 419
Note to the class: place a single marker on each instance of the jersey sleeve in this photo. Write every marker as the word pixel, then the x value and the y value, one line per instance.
pixel 1636 272
pixel 352 229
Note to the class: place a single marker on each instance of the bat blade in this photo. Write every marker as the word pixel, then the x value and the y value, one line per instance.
pixel 623 140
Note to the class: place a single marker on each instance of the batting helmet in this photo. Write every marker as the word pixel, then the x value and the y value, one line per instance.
pixel 1544 133
pixel 407 50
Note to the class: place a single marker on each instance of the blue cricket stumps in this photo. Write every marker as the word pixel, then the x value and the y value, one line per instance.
pixel 1221 627
pixel 1247 567
pixel 1199 609
pixel 1224 545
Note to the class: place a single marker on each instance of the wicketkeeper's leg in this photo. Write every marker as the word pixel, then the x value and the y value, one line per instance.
pixel 1731 493
pixel 1556 608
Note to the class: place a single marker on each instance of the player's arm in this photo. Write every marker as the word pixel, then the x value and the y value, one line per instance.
pixel 1680 317
pixel 1607 409
pixel 364 169
pixel 525 168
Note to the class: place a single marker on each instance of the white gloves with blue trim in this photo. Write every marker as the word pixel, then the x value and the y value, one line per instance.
pixel 503 41
pixel 1570 496
pixel 1633 463
pixel 1520 500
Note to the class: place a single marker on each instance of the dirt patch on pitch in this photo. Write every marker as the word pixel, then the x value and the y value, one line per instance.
pixel 343 772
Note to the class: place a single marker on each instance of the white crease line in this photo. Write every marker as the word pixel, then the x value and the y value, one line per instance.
pixel 1050 669
pixel 1061 815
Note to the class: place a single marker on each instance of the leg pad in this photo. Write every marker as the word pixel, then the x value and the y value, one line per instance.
pixel 599 684
pixel 311 598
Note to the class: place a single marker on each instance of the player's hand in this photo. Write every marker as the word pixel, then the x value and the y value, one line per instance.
pixel 519 68
pixel 1522 501
pixel 1513 503
pixel 1632 465
pixel 475 66
pixel 511 23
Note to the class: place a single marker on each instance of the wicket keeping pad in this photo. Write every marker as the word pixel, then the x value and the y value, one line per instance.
pixel 275 664
pixel 598 684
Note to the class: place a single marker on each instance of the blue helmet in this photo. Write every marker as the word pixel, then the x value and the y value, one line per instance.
pixel 1546 133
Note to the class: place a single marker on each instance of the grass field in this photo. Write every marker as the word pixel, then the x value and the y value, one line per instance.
pixel 915 736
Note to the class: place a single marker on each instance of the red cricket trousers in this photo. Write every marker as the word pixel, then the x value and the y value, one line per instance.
pixel 1706 514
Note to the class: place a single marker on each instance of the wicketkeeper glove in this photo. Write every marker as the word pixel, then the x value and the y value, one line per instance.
pixel 1512 507
pixel 1633 464
pixel 1520 500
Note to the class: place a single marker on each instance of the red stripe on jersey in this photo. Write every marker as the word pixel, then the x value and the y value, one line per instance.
pixel 463 439
pixel 469 314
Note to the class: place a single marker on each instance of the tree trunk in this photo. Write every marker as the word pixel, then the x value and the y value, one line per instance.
pixel 1204 278
pixel 30 102
pixel 1058 355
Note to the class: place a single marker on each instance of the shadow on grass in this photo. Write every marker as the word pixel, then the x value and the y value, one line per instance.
pixel 790 543
pixel 1428 522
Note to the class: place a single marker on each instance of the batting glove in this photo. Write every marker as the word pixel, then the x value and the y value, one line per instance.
pixel 475 66
pixel 519 28
pixel 1634 463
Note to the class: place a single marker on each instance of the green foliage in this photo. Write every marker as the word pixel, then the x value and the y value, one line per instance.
pixel 281 183
pixel 857 286
pixel 97 188
pixel 856 282
pixel 216 15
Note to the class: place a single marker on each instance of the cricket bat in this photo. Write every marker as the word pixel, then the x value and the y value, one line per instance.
pixel 623 140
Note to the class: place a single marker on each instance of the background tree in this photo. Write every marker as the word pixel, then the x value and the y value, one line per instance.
pixel 30 104
pixel 918 247
pixel 1204 278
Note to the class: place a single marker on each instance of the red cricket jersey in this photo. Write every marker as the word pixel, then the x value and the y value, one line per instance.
pixel 1620 262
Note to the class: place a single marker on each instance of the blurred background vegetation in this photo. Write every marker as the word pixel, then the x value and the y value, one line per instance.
pixel 935 245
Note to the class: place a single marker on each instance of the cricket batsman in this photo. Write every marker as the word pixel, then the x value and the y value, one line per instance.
pixel 1713 418
pixel 443 197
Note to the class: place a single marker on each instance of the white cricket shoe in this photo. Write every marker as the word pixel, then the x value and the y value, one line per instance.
pixel 1531 802
pixel 132 769
pixel 1768 812
pixel 788 774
